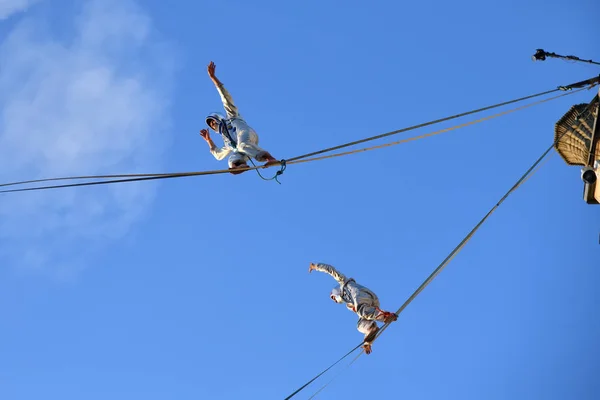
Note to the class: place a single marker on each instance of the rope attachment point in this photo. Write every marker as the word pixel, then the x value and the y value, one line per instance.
pixel 283 164
pixel 281 170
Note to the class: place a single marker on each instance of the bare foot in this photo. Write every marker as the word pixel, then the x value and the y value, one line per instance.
pixel 272 161
pixel 389 317
pixel 235 170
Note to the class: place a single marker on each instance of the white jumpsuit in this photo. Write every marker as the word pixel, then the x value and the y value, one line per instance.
pixel 358 299
pixel 246 139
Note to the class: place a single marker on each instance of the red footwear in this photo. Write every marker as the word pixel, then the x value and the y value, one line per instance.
pixel 387 316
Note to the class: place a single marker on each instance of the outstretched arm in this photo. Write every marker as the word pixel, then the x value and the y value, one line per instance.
pixel 228 103
pixel 328 269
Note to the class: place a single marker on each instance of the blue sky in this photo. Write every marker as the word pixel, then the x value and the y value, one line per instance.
pixel 199 287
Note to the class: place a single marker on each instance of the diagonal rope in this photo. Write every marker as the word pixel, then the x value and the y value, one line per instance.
pixel 322 372
pixel 336 375
pixel 568 87
pixel 460 246
pixel 406 303
pixel 452 254
pixel 423 136
pixel 372 148
pixel 146 177
pixel 420 125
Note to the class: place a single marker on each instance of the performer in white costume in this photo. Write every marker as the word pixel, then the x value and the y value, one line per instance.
pixel 240 140
pixel 358 299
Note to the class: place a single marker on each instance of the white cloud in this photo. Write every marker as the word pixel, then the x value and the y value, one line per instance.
pixel 10 7
pixel 96 103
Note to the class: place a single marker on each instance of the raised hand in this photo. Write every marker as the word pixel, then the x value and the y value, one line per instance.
pixel 205 135
pixel 211 70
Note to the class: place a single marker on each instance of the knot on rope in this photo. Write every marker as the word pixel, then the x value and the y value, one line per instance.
pixel 281 170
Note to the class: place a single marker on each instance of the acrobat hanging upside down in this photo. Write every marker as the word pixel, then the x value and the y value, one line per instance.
pixel 358 299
